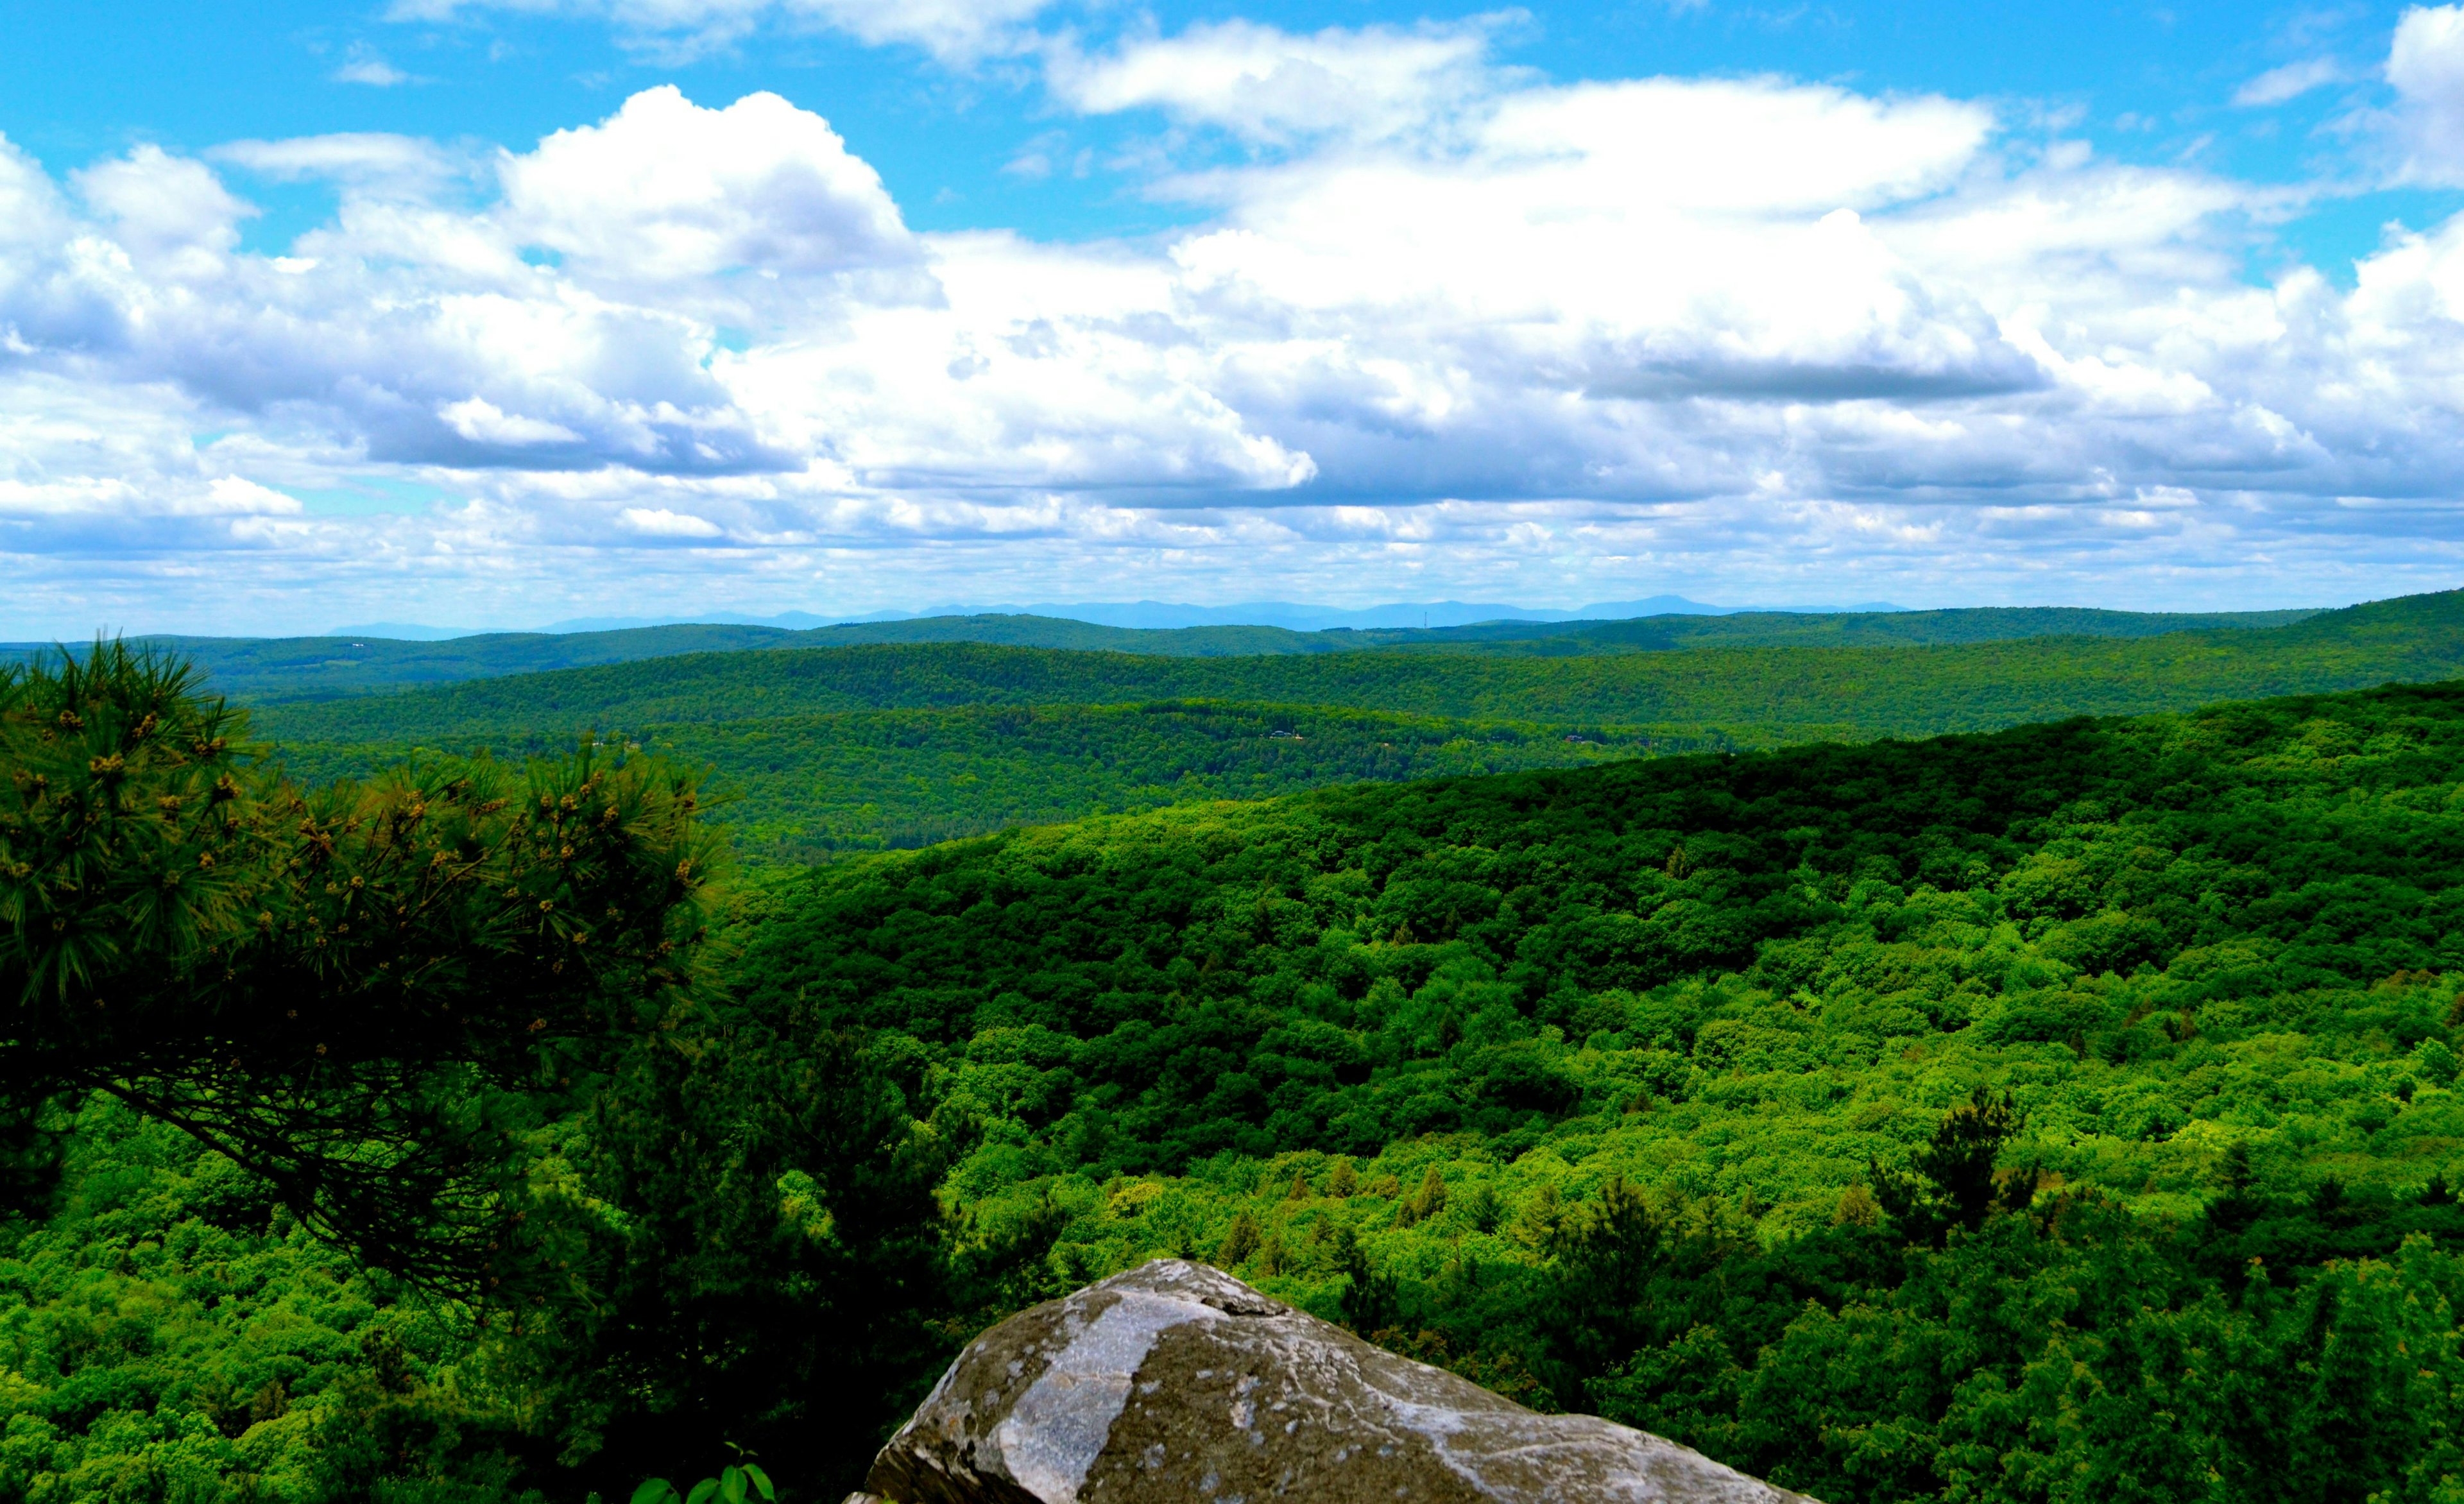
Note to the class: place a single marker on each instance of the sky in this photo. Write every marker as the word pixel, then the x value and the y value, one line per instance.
pixel 491 313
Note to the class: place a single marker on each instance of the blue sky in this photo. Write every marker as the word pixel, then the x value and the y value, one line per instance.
pixel 2147 83
pixel 511 310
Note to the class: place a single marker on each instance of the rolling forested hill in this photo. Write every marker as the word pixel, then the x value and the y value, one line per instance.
pixel 2112 890
pixel 2061 1113
pixel 893 745
pixel 281 670
pixel 1823 629
pixel 1877 691
pixel 803 788
pixel 1600 1084
pixel 274 671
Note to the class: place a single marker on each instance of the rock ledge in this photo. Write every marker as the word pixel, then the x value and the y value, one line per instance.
pixel 1175 1384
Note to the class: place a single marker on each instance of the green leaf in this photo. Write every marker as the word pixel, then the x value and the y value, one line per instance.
pixel 760 1480
pixel 730 1486
pixel 655 1491
pixel 702 1490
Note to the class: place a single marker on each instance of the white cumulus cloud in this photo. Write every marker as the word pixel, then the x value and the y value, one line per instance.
pixel 1459 332
pixel 482 422
pixel 660 522
pixel 2426 66
pixel 666 201
pixel 161 209
pixel 1267 84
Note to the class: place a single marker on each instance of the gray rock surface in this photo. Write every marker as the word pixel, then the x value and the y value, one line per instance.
pixel 1175 1384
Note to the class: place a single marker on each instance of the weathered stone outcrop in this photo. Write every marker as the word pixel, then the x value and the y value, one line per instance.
pixel 1175 1383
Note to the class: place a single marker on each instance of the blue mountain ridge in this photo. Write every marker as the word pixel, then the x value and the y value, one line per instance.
pixel 1294 615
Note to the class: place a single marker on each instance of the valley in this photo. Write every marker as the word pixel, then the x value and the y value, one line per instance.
pixel 1776 1047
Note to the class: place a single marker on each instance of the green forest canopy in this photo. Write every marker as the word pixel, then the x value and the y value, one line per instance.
pixel 280 1058
pixel 798 788
pixel 825 751
pixel 1646 1028
pixel 1875 691
pixel 1641 1088
pixel 350 991
pixel 270 670
pixel 1308 974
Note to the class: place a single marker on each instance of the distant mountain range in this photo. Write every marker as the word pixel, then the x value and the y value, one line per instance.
pixel 1152 615
pixel 265 671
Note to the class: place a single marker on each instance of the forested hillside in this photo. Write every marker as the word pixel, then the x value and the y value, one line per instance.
pixel 279 670
pixel 275 671
pixel 855 749
pixel 2060 1111
pixel 796 789
pixel 1822 630
pixel 2085 893
pixel 1875 691
pixel 1606 1084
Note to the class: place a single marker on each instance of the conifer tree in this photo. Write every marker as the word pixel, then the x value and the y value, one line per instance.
pixel 362 993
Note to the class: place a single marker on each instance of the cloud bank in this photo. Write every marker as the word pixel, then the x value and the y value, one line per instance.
pixel 1441 328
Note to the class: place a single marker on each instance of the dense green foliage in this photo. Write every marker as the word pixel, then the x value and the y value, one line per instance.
pixel 802 787
pixel 169 1332
pixel 1580 1077
pixel 348 989
pixel 1781 693
pixel 820 753
pixel 2045 1115
pixel 756 1268
pixel 755 1256
pixel 1313 974
pixel 462 1026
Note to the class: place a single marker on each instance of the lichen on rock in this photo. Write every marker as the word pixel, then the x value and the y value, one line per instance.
pixel 1175 1384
